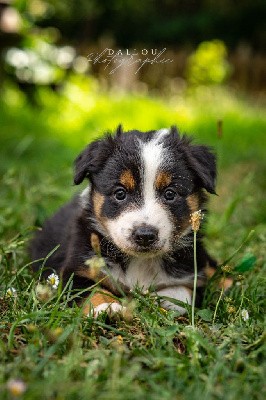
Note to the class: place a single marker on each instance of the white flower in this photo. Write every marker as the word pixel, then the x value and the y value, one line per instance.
pixel 11 292
pixel 53 280
pixel 16 387
pixel 244 315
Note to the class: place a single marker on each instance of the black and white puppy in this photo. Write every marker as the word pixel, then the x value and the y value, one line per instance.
pixel 143 188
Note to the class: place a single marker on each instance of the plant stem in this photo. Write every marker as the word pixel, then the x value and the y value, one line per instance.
pixel 217 305
pixel 195 280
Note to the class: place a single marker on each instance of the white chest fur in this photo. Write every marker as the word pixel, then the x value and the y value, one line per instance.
pixel 145 273
pixel 148 273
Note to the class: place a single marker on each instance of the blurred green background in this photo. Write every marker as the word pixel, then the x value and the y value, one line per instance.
pixel 54 100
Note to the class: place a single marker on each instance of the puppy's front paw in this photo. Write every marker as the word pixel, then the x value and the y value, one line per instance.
pixel 181 293
pixel 103 301
pixel 110 308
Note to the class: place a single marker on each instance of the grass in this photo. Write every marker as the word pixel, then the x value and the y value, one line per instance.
pixel 58 353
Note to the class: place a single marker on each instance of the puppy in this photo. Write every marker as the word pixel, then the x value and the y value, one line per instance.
pixel 135 214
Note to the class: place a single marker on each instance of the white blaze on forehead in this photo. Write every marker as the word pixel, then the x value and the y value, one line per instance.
pixel 153 155
pixel 162 132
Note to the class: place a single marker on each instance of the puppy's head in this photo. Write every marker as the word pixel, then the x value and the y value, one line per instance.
pixel 144 186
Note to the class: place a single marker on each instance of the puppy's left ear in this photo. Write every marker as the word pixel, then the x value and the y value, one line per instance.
pixel 93 158
pixel 203 162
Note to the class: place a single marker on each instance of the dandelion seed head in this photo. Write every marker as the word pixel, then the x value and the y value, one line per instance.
pixel 228 299
pixel 43 292
pixel 195 219
pixel 226 268
pixel 231 309
pixel 245 315
pixel 117 342
pixel 53 280
pixel 53 334
pixel 119 339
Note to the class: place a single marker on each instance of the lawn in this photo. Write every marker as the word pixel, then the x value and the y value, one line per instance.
pixel 59 354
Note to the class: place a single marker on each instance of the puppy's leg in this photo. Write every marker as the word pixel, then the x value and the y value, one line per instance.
pixel 181 293
pixel 102 301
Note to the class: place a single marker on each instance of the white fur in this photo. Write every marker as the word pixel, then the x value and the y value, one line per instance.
pixel 84 196
pixel 147 272
pixel 162 132
pixel 110 308
pixel 152 211
pixel 176 292
pixel 121 228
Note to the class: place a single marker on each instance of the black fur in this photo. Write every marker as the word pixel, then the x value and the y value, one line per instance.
pixel 193 168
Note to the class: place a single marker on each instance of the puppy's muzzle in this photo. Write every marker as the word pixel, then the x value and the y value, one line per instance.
pixel 145 235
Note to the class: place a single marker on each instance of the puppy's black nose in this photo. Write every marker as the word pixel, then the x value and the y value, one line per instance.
pixel 145 235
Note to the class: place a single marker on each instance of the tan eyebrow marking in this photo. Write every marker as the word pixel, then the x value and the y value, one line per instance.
pixel 193 202
pixel 127 180
pixel 163 179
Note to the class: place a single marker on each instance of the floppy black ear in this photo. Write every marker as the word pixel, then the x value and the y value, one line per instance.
pixel 93 158
pixel 203 162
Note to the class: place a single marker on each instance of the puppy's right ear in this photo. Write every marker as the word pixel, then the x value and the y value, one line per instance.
pixel 93 158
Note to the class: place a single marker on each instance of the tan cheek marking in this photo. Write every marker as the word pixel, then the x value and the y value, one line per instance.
pixel 193 202
pixel 127 180
pixel 98 200
pixel 163 179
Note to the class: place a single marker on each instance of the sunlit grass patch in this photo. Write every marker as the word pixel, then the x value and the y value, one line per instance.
pixel 49 347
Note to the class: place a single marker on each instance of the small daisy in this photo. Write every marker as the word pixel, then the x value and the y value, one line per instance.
pixel 16 387
pixel 11 292
pixel 244 315
pixel 53 280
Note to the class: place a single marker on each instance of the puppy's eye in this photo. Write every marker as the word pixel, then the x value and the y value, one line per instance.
pixel 169 194
pixel 120 194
